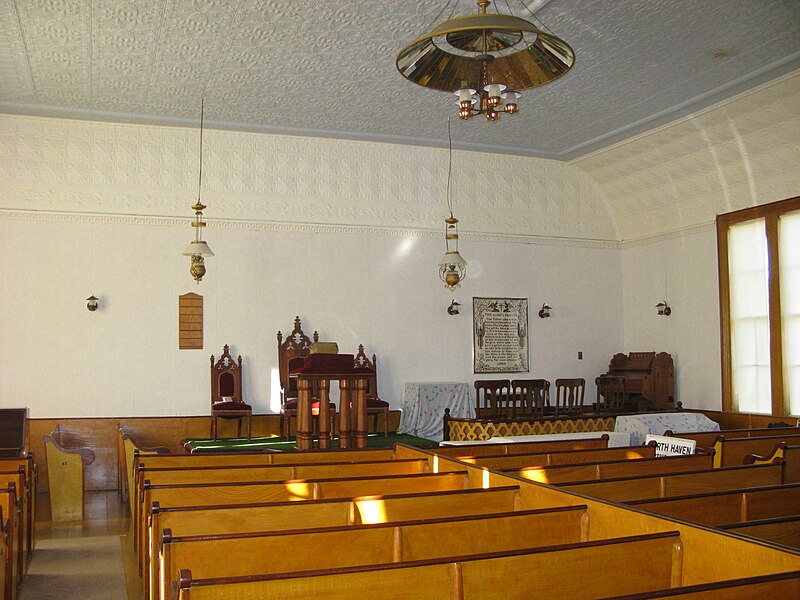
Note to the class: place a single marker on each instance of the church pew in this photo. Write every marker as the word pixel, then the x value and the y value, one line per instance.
pixel 556 474
pixel 3 553
pixel 730 452
pixel 10 524
pixel 679 484
pixel 278 491
pixel 569 571
pixel 779 585
pixel 279 472
pixel 707 439
pixel 730 506
pixel 128 453
pixel 472 450
pixel 520 461
pixel 31 482
pixel 227 518
pixel 780 530
pixel 296 550
pixel 20 541
pixel 790 455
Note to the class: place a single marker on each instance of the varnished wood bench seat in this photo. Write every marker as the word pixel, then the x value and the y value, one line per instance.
pixel 520 461
pixel 16 508
pixel 556 474
pixel 678 484
pixel 780 530
pixel 707 439
pixel 780 585
pixel 29 498
pixel 569 571
pixel 731 506
pixel 9 524
pixel 298 550
pixel 278 491
pixel 730 452
pixel 473 450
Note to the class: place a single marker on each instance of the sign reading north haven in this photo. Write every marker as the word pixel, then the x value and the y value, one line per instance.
pixel 670 446
pixel 500 335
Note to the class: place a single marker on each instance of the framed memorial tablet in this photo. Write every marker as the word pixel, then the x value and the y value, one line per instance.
pixel 500 335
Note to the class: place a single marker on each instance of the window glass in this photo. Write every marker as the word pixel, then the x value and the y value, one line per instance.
pixel 789 248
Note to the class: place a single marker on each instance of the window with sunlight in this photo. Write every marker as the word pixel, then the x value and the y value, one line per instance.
pixel 759 279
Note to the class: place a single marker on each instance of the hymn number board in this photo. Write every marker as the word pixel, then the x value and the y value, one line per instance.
pixel 190 322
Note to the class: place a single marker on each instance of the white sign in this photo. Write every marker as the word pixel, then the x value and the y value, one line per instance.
pixel 671 446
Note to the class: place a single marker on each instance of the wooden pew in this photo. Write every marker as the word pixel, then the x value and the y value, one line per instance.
pixel 128 452
pixel 731 452
pixel 3 552
pixel 279 491
pixel 9 508
pixel 520 461
pixel 790 455
pixel 473 450
pixel 557 474
pixel 199 494
pixel 569 571
pixel 294 550
pixel 707 439
pixel 780 585
pixel 780 530
pixel 16 479
pixel 29 498
pixel 728 507
pixel 679 484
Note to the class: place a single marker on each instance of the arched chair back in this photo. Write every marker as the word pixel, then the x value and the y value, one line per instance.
pixel 530 397
pixel 291 354
pixel 375 405
pixel 226 392
pixel 491 398
pixel 570 394
pixel 612 396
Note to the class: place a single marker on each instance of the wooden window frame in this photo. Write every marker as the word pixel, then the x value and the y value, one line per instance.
pixel 771 214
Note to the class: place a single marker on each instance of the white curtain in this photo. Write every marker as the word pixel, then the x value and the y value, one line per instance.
pixel 789 244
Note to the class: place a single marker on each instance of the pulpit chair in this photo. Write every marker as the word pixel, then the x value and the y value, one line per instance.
pixel 491 398
pixel 375 406
pixel 226 393
pixel 291 355
pixel 530 397
pixel 569 395
pixel 612 395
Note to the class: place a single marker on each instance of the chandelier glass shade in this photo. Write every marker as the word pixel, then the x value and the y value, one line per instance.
pixel 452 267
pixel 197 248
pixel 485 59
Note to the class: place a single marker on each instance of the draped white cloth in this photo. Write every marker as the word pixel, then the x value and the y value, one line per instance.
pixel 423 407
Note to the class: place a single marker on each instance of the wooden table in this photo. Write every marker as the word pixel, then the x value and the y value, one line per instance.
pixel 352 427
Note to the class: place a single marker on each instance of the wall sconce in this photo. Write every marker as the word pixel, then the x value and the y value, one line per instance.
pixel 453 308
pixel 662 309
pixel 544 312
pixel 91 303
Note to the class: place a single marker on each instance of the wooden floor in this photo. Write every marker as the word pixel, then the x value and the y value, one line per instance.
pixel 104 515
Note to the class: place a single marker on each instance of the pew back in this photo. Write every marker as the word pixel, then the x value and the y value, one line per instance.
pixel 473 450
pixel 780 530
pixel 731 452
pixel 520 461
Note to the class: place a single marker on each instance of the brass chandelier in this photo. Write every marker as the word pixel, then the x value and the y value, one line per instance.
pixel 198 249
pixel 485 59
pixel 452 267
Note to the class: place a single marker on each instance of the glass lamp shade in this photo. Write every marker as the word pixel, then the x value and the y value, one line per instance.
pixel 452 269
pixel 198 248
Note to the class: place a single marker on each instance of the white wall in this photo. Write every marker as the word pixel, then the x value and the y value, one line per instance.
pixel 345 234
pixel 380 290
pixel 681 269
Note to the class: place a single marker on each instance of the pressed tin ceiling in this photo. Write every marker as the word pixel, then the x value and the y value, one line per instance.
pixel 327 67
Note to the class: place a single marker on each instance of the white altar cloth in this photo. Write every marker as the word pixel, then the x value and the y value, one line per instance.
pixel 423 407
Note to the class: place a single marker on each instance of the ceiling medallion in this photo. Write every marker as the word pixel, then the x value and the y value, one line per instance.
pixel 485 59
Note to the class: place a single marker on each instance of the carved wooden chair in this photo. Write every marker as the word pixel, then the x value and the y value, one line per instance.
pixel 569 395
pixel 530 397
pixel 291 355
pixel 375 405
pixel 491 398
pixel 612 395
pixel 226 393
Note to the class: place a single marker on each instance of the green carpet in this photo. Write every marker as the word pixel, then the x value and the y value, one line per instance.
pixel 374 440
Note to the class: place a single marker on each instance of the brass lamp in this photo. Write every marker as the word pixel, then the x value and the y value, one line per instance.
pixel 198 249
pixel 452 267
pixel 485 59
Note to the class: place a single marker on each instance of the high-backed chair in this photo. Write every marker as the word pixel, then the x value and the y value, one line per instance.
pixel 530 397
pixel 226 393
pixel 612 394
pixel 375 405
pixel 291 355
pixel 491 398
pixel 569 395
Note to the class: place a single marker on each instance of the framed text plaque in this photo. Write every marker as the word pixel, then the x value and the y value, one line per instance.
pixel 500 335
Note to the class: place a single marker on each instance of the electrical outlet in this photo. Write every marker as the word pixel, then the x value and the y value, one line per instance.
pixel 580 355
